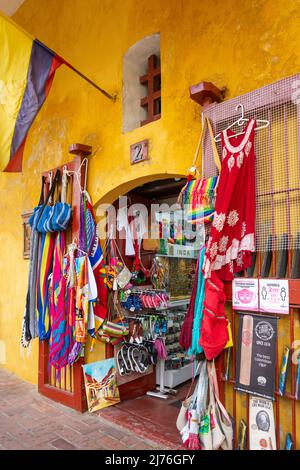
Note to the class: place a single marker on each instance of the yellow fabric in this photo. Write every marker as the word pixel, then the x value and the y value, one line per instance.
pixel 229 343
pixel 15 51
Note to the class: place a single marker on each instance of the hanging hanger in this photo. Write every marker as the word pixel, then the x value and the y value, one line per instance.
pixel 262 124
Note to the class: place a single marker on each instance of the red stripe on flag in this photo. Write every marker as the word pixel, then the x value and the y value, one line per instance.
pixel 56 62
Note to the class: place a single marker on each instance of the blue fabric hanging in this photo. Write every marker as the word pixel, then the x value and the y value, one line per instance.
pixel 198 311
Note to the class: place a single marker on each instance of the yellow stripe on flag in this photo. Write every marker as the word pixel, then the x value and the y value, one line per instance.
pixel 15 52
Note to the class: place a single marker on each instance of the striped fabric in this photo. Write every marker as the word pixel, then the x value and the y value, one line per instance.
pixel 198 199
pixel 44 270
pixel 61 342
pixel 27 69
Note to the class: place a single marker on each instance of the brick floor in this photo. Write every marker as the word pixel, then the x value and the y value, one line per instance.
pixel 30 421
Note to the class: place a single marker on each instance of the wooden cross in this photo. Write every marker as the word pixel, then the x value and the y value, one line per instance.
pixel 152 102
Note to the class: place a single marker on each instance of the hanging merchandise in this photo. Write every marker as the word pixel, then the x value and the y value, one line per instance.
pixel 231 242
pixel 187 328
pixel 297 394
pixel 30 326
pixel 221 423
pixel 198 195
pixel 54 217
pixel 91 244
pixel 122 223
pixel 44 269
pixel 196 410
pixel 183 413
pixel 198 310
pixel 206 425
pixel 289 444
pixel 61 339
pixel 284 370
pixel 214 331
pixel 242 437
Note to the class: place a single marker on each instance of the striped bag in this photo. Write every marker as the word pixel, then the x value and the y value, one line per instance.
pixel 198 195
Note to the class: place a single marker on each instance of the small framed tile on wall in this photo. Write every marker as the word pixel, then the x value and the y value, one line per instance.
pixel 139 152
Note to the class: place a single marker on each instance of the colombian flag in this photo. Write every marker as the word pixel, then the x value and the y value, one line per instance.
pixel 27 69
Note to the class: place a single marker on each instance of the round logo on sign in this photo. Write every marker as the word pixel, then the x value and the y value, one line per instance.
pixel 264 330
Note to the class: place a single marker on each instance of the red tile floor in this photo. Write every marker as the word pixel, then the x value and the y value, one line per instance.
pixel 150 417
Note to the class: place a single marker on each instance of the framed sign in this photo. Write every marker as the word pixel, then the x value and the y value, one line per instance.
pixel 245 294
pixel 262 425
pixel 274 296
pixel 256 356
pixel 139 152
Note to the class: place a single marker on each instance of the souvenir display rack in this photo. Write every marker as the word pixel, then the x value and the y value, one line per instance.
pixel 68 388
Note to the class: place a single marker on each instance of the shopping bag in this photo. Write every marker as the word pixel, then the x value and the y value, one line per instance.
pixel 182 415
pixel 222 417
pixel 216 431
pixel 198 195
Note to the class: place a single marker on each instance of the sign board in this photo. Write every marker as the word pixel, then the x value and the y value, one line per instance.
pixel 139 152
pixel 256 355
pixel 274 296
pixel 261 424
pixel 245 294
pixel 182 251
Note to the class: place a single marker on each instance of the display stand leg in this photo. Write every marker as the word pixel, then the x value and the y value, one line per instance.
pixel 162 392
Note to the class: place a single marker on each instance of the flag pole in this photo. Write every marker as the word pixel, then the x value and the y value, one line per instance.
pixel 104 92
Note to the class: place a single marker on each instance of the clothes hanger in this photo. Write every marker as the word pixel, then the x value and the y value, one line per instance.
pixel 262 124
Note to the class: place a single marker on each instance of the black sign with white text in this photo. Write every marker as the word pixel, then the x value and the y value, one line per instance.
pixel 256 355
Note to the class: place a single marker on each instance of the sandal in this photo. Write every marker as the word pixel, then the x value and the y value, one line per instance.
pixel 144 358
pixel 121 363
pixel 127 363
pixel 136 358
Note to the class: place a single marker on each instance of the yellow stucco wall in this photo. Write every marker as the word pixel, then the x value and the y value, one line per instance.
pixel 240 45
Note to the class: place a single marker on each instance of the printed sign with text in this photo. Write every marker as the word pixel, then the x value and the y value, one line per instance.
pixel 245 294
pixel 274 296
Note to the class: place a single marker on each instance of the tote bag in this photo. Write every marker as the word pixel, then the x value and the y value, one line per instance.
pixel 198 195
pixel 223 420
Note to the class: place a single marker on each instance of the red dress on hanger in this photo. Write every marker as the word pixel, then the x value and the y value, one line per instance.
pixel 231 240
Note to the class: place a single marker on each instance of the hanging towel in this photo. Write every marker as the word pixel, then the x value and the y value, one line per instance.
pixel 122 223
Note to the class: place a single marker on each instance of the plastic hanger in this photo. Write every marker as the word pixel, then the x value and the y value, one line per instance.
pixel 263 123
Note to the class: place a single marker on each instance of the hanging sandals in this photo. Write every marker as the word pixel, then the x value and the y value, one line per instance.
pixel 133 358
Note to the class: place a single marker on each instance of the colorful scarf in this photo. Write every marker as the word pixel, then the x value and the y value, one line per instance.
pixel 44 270
pixel 61 322
pixel 94 251
pixel 199 197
